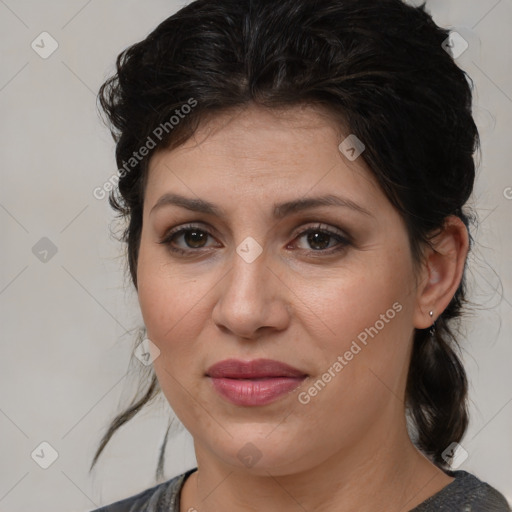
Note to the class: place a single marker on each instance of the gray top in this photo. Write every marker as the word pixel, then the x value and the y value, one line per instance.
pixel 465 494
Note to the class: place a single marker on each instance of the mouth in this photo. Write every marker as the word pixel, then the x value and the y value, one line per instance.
pixel 254 383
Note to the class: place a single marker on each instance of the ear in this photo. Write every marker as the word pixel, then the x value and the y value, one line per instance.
pixel 441 271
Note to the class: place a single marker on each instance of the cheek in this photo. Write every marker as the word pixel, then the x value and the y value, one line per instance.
pixel 176 305
pixel 348 301
pixel 166 294
pixel 163 300
pixel 364 316
pixel 171 309
pixel 369 329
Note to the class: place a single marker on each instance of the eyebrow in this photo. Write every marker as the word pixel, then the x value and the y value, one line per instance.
pixel 280 210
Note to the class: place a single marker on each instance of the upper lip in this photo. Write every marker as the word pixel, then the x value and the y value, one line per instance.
pixel 257 368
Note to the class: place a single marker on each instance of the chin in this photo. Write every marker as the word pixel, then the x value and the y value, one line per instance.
pixel 257 453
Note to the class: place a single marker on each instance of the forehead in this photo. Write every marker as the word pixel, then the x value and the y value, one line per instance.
pixel 293 147
pixel 261 133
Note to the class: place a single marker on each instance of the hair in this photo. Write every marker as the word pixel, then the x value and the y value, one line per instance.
pixel 378 67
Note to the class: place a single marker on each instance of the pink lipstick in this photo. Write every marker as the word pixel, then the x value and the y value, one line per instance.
pixel 253 383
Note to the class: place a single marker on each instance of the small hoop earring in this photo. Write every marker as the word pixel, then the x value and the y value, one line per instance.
pixel 432 330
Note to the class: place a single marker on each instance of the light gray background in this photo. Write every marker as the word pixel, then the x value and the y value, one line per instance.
pixel 65 346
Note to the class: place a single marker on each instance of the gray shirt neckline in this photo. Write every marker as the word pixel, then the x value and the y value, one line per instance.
pixel 466 493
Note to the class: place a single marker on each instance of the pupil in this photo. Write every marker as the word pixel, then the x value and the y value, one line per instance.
pixel 194 238
pixel 316 239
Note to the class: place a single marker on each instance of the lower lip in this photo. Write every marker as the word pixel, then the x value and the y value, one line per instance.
pixel 252 392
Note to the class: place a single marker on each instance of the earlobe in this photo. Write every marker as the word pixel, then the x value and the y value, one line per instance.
pixel 442 272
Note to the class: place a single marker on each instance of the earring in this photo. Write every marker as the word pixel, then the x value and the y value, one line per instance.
pixel 433 326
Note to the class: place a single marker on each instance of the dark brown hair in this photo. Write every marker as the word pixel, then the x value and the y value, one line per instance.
pixel 379 65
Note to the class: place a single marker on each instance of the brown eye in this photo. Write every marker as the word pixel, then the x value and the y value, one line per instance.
pixel 320 240
pixel 193 237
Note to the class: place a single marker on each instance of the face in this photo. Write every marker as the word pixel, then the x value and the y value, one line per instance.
pixel 327 289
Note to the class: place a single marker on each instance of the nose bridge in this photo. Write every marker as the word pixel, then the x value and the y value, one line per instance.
pixel 249 298
pixel 249 259
pixel 248 280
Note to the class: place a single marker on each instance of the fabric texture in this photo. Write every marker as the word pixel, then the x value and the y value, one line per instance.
pixel 465 494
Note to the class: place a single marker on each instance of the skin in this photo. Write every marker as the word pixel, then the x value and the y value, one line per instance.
pixel 348 448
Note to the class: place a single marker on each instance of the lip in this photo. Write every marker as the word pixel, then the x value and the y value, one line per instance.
pixel 254 383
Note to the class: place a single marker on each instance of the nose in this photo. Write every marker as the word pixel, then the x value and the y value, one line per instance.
pixel 253 300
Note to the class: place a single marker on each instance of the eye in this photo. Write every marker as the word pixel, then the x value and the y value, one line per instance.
pixel 193 236
pixel 320 240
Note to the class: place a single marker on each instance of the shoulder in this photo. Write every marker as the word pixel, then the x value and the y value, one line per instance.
pixel 465 494
pixel 163 497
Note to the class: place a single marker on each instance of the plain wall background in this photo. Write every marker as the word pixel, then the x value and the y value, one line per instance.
pixel 65 322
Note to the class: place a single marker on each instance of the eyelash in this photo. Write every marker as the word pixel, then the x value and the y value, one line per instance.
pixel 343 241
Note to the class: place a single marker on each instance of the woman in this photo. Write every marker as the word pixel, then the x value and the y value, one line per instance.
pixel 294 176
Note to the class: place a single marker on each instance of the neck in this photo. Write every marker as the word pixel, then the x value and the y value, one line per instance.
pixel 379 473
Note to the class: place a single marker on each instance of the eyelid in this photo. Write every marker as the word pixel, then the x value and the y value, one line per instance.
pixel 322 226
pixel 183 228
pixel 343 238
